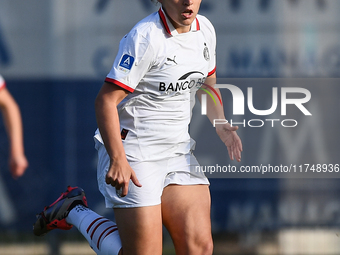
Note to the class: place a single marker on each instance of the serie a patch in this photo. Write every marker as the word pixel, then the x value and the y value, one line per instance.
pixel 126 63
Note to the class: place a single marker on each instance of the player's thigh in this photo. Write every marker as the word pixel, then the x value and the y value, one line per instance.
pixel 140 229
pixel 186 215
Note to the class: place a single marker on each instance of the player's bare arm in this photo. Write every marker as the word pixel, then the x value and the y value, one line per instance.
pixel 226 132
pixel 120 172
pixel 12 119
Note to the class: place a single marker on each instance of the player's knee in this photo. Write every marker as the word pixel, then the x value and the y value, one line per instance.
pixel 207 248
pixel 203 247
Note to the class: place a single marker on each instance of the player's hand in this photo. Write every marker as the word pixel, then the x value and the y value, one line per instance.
pixel 17 165
pixel 119 176
pixel 229 137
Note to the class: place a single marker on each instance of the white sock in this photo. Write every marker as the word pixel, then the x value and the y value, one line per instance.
pixel 101 233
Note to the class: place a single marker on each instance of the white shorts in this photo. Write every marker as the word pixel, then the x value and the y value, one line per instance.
pixel 153 175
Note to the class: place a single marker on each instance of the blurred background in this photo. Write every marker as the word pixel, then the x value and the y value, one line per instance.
pixel 54 56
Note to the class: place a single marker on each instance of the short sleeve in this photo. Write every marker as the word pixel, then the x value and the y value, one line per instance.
pixel 209 33
pixel 132 61
pixel 212 62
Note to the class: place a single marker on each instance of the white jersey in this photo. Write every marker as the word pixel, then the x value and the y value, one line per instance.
pixel 162 69
pixel 2 82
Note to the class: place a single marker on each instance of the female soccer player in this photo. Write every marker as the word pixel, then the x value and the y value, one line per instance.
pixel 146 169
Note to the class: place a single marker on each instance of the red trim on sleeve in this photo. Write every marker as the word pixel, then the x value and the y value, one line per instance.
pixel 118 83
pixel 162 16
pixel 3 85
pixel 212 72
pixel 2 82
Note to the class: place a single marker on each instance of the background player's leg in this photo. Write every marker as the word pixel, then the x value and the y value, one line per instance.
pixel 140 229
pixel 186 215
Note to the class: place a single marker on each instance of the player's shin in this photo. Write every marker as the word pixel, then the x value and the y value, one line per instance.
pixel 101 233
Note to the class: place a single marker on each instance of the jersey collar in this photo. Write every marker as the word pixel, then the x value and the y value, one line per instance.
pixel 195 26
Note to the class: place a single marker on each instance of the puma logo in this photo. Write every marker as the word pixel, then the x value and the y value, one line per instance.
pixel 172 60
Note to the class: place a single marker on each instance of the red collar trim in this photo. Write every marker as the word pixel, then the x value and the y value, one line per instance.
pixel 197 25
pixel 163 19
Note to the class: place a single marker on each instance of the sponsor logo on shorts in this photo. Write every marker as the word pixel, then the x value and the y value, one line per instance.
pixel 124 133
